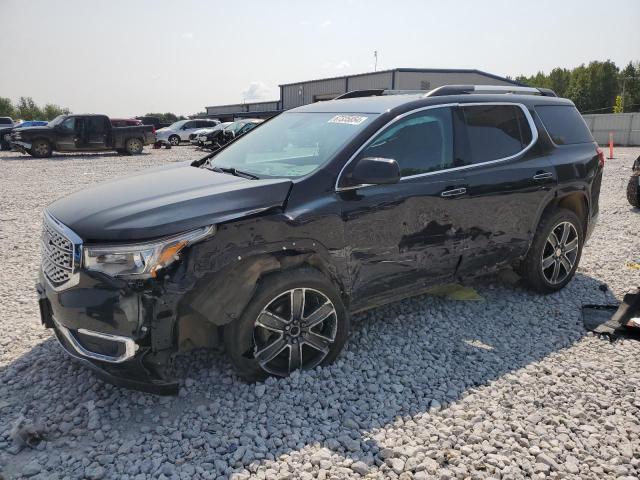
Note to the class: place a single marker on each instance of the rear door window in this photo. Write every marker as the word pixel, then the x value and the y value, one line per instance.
pixel 97 125
pixel 564 124
pixel 495 132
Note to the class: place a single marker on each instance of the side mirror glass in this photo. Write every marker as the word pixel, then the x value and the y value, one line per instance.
pixel 375 171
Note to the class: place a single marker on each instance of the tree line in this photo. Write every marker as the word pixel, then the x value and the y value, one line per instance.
pixel 26 109
pixel 599 87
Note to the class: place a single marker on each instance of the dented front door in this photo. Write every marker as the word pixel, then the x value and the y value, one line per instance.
pixel 404 236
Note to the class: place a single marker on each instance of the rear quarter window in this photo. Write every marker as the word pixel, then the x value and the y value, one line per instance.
pixel 495 132
pixel 564 124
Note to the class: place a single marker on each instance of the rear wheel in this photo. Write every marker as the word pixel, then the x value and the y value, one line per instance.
pixel 555 252
pixel 41 149
pixel 134 146
pixel 295 320
pixel 174 140
pixel 633 191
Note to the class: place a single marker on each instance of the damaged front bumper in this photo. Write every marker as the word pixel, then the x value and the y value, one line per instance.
pixel 19 146
pixel 101 324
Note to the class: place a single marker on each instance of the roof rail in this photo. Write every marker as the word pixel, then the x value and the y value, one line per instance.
pixel 377 92
pixel 489 89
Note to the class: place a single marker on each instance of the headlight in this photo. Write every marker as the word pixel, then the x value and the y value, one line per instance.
pixel 143 260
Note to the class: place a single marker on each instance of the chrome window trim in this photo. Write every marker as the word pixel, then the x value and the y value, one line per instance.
pixel 525 110
pixel 76 256
pixel 130 346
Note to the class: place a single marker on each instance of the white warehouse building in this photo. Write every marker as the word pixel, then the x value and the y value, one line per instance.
pixel 302 93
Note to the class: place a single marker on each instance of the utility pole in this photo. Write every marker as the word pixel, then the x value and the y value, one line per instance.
pixel 375 56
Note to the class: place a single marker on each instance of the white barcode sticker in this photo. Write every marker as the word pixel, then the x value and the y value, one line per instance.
pixel 348 119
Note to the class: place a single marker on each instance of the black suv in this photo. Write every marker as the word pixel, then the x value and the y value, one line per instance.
pixel 271 243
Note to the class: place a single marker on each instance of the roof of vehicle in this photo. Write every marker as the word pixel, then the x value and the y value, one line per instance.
pixel 381 104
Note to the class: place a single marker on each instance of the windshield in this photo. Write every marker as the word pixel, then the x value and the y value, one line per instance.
pixel 292 144
pixel 57 121
pixel 177 125
pixel 220 126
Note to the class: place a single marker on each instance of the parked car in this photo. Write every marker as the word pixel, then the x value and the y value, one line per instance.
pixel 6 125
pixel 155 121
pixel 81 133
pixel 125 122
pixel 204 136
pixel 269 244
pixel 31 123
pixel 180 130
pixel 217 139
pixel 633 187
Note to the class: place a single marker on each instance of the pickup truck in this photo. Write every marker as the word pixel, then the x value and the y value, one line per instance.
pixel 81 133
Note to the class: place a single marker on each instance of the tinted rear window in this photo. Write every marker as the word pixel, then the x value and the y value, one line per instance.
pixel 564 124
pixel 496 131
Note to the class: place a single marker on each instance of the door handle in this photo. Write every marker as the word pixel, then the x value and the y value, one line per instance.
pixel 542 175
pixel 455 192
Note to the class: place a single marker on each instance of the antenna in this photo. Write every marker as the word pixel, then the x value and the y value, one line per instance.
pixel 375 56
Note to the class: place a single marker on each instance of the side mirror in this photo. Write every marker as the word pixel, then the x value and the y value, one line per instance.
pixel 375 171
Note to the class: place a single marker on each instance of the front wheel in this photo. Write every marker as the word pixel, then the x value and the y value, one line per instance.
pixel 41 149
pixel 554 255
pixel 295 320
pixel 174 140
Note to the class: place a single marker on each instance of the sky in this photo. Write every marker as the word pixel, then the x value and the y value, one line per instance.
pixel 130 57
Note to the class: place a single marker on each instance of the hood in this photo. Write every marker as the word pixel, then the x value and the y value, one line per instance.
pixel 165 201
pixel 29 130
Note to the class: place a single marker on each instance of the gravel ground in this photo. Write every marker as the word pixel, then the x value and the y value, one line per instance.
pixel 511 387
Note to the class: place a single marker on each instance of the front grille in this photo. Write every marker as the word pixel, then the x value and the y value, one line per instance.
pixel 57 254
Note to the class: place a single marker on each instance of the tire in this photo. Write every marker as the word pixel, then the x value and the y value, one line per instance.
pixel 41 149
pixel 287 334
pixel 174 140
pixel 134 146
pixel 561 262
pixel 633 192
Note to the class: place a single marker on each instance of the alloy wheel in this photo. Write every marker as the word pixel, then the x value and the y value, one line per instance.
pixel 560 253
pixel 174 140
pixel 295 330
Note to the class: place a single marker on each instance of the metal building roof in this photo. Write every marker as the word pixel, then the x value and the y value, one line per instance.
pixel 416 70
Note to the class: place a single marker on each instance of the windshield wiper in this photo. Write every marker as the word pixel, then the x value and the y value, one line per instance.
pixel 234 171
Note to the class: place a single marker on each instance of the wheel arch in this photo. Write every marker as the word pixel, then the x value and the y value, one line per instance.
pixel 220 298
pixel 575 201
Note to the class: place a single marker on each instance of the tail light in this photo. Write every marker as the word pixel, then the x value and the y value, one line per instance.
pixel 600 153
